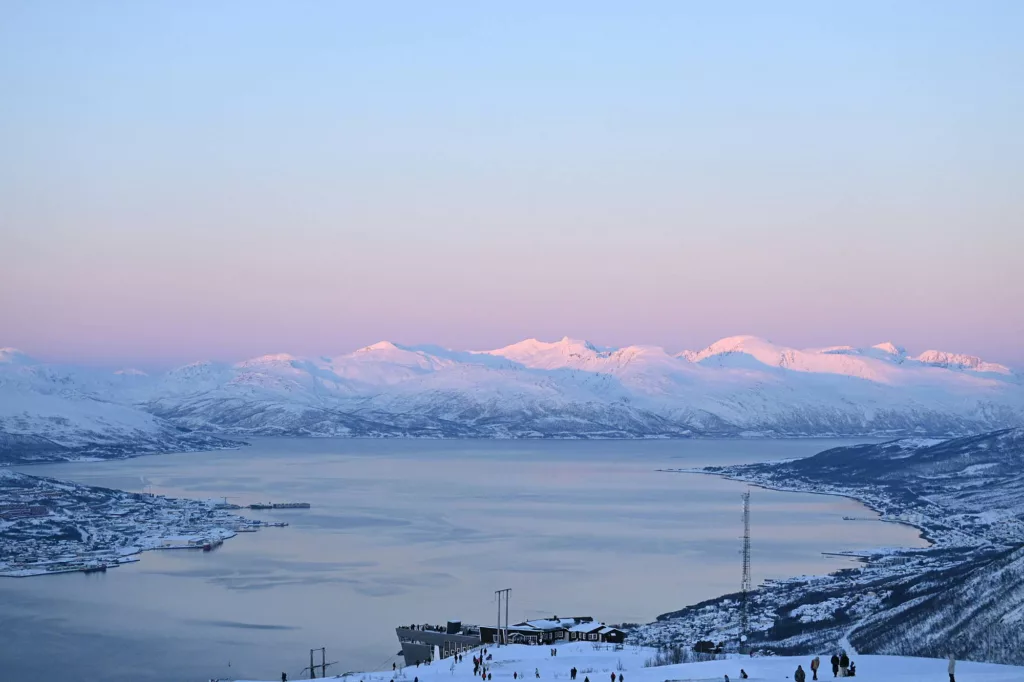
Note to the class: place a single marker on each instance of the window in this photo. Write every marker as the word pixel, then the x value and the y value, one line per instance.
pixel 593 637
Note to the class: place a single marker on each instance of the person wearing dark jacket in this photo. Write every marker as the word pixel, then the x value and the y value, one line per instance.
pixel 835 665
pixel 844 664
pixel 799 675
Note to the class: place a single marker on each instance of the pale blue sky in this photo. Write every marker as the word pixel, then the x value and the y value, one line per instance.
pixel 219 179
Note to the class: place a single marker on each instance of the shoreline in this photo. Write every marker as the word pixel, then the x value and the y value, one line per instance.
pixel 68 527
pixel 922 532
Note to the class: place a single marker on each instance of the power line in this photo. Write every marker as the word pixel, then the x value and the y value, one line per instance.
pixel 322 664
pixel 499 634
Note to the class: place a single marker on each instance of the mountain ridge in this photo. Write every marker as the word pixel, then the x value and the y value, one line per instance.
pixel 570 388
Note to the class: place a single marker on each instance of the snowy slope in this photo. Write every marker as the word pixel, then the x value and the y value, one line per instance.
pixel 598 663
pixel 965 592
pixel 737 386
pixel 47 414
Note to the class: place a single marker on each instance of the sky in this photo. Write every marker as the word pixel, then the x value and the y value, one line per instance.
pixel 184 180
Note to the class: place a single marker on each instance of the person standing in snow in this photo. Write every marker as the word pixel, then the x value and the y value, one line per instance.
pixel 815 663
pixel 572 673
pixel 835 665
pixel 844 664
pixel 613 677
pixel 952 668
pixel 621 678
pixel 284 677
pixel 799 675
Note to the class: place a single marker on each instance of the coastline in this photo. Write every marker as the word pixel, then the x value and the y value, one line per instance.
pixel 922 532
pixel 874 606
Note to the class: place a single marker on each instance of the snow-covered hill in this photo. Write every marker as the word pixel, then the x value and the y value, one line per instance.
pixel 964 594
pixel 48 413
pixel 737 386
pixel 597 663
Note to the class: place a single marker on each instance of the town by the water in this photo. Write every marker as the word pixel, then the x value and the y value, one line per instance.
pixel 49 526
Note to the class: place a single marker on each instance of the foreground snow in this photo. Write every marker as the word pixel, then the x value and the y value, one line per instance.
pixel 598 665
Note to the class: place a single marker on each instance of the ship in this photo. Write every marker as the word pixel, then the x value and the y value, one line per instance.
pixel 291 505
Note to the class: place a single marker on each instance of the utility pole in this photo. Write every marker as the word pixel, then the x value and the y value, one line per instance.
pixel 498 632
pixel 745 586
pixel 313 665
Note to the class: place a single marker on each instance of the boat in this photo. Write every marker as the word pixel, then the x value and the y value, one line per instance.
pixel 291 505
pixel 95 568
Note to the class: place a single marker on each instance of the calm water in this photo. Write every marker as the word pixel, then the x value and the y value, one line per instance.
pixel 411 531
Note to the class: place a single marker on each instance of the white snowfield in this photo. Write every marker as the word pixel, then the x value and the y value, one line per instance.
pixel 598 665
pixel 740 385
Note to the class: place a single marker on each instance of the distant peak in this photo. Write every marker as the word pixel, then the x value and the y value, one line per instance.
pixel 567 341
pixel 274 357
pixel 379 346
pixel 890 348
pixel 15 357
pixel 729 344
pixel 939 358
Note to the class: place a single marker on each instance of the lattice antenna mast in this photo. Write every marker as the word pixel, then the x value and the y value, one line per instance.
pixel 745 587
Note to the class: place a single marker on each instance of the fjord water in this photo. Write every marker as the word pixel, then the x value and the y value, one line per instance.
pixel 415 531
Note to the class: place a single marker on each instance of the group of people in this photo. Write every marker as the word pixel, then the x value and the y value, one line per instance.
pixel 842 666
pixel 480 667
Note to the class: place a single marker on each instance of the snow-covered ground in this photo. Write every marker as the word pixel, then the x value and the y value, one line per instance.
pixel 515 662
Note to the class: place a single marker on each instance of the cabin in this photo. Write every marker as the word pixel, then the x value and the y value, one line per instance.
pixel 612 635
pixel 585 632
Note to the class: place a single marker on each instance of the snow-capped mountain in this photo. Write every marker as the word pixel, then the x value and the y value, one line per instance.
pixel 49 413
pixel 737 386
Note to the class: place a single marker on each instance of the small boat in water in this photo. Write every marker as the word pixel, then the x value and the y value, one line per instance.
pixel 95 568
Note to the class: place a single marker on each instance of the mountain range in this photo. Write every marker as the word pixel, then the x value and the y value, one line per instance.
pixel 738 386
